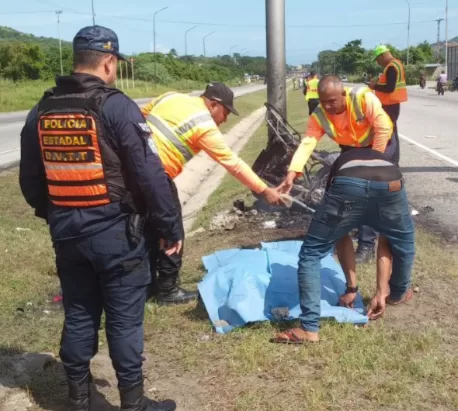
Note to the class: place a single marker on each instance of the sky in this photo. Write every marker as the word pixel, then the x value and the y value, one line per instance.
pixel 239 25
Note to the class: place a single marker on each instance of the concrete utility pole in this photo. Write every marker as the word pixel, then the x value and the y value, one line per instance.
pixel 154 27
pixel 230 51
pixel 154 43
pixel 93 13
pixel 186 40
pixel 408 32
pixel 203 42
pixel 446 37
pixel 58 13
pixel 438 48
pixel 276 59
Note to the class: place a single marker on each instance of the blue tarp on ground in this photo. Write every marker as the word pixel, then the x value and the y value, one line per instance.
pixel 244 286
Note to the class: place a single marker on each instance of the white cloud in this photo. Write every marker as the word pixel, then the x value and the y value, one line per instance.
pixel 160 48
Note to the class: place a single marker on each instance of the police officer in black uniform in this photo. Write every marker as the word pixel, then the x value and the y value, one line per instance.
pixel 89 168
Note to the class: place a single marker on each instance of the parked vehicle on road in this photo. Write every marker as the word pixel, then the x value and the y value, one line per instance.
pixel 454 84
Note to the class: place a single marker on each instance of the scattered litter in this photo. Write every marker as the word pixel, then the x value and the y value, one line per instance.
pixel 221 323
pixel 239 204
pixel 269 224
pixel 20 310
pixel 230 225
pixel 29 304
pixel 416 289
pixel 414 212
pixel 238 212
pixel 253 212
pixel 22 229
pixel 430 136
pixel 153 389
pixel 224 220
pixel 205 337
pixel 427 209
pixel 46 312
pixel 280 313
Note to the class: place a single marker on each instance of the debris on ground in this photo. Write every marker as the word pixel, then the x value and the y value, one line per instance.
pixel 225 220
pixel 414 213
pixel 269 224
pixel 427 209
pixel 416 289
pixel 260 215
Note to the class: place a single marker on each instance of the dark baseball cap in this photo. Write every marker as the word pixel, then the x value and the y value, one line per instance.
pixel 97 38
pixel 222 94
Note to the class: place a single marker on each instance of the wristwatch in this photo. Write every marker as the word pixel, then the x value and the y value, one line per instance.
pixel 351 290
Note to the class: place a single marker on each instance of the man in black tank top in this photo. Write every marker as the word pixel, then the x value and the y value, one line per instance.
pixel 363 188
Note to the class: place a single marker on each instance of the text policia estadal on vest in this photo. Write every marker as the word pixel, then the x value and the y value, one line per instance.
pixel 363 123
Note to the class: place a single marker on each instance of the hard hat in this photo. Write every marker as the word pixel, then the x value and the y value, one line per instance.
pixel 379 50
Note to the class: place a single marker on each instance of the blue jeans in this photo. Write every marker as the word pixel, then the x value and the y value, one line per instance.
pixel 348 204
pixel 103 272
pixel 366 234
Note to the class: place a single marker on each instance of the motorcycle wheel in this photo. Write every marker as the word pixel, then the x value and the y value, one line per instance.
pixel 451 87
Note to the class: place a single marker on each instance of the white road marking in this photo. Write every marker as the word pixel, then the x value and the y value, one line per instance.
pixel 9 151
pixel 429 150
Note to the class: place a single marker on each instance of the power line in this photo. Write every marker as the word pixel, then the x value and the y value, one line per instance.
pixel 127 17
pixel 25 12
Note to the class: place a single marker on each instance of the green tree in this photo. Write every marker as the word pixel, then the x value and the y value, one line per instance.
pixel 21 61
pixel 352 57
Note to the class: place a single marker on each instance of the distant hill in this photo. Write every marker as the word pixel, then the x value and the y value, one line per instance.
pixel 9 34
pixel 442 43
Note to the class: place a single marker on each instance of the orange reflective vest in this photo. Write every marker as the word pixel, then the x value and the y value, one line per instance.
pixel 81 169
pixel 399 95
pixel 312 89
pixel 360 130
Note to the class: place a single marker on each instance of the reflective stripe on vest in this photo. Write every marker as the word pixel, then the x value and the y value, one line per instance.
pixel 171 136
pixel 355 114
pixel 178 135
pixel 399 95
pixel 73 160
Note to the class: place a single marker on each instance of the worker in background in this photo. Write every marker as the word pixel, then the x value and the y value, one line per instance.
pixel 294 83
pixel 182 126
pixel 311 92
pixel 87 169
pixel 352 118
pixel 391 89
pixel 301 82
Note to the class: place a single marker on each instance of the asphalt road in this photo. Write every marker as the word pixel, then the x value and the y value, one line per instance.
pixel 11 125
pixel 429 157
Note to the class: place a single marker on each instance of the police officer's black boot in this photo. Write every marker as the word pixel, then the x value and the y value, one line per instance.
pixel 176 295
pixel 133 399
pixel 79 394
pixel 364 254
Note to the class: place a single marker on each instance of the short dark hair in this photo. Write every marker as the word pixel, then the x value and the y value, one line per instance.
pixel 313 73
pixel 329 79
pixel 88 59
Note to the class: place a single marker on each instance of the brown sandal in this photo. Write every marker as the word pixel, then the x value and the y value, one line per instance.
pixel 291 337
pixel 406 297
